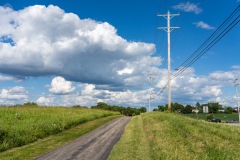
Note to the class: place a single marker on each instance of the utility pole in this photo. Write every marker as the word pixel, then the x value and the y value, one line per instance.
pixel 150 94
pixel 168 29
pixel 236 84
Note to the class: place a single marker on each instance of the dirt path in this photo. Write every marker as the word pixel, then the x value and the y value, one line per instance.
pixel 95 145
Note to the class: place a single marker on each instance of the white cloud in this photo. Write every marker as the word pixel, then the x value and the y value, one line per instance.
pixel 7 78
pixel 235 67
pixel 125 71
pixel 190 88
pixel 187 88
pixel 211 91
pixel 48 101
pixel 188 7
pixel 203 25
pixel 49 41
pixel 14 95
pixel 60 86
pixel 90 96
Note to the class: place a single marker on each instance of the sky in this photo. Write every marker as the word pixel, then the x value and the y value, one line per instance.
pixel 83 52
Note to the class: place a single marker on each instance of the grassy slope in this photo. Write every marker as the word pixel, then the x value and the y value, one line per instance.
pixel 159 135
pixel 42 146
pixel 221 116
pixel 23 125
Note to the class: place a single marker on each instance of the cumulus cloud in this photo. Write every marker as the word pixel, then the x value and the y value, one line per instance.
pixel 188 7
pixel 190 88
pixel 89 96
pixel 7 78
pixel 187 88
pixel 48 101
pixel 203 25
pixel 60 86
pixel 47 41
pixel 14 95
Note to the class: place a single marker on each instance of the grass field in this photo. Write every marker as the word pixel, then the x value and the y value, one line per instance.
pixel 222 116
pixel 158 135
pixel 23 125
pixel 41 146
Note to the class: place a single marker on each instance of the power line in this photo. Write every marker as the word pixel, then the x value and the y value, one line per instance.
pixel 207 48
pixel 195 55
pixel 208 44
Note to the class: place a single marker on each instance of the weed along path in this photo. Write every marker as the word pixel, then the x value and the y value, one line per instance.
pixel 95 145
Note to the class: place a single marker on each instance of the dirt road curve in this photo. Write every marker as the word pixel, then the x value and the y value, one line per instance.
pixel 95 145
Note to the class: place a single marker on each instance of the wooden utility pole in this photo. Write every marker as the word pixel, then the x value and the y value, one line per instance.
pixel 168 29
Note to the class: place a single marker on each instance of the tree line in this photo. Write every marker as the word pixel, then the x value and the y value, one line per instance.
pixel 128 111
pixel 213 107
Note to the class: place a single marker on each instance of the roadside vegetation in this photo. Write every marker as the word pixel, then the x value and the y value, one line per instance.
pixel 162 135
pixel 41 146
pixel 203 116
pixel 213 107
pixel 128 111
pixel 24 124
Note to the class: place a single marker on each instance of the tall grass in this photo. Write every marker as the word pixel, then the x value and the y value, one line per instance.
pixel 23 125
pixel 170 136
pixel 222 116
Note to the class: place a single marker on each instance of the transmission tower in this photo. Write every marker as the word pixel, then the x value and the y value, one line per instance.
pixel 150 93
pixel 236 84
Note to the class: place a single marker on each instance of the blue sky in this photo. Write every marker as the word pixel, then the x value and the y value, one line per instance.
pixel 83 52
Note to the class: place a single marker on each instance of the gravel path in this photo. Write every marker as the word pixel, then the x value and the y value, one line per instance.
pixel 95 145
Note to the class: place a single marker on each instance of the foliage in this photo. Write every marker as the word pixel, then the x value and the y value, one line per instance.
pixel 188 109
pixel 24 125
pixel 158 135
pixel 209 117
pixel 123 110
pixel 175 107
pixel 161 108
pixel 45 145
pixel 179 108
pixel 222 116
pixel 229 110
pixel 31 104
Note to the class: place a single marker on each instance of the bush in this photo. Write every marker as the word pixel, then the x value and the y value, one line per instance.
pixel 209 117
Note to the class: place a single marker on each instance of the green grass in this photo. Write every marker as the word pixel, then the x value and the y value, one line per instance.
pixel 41 146
pixel 221 116
pixel 170 136
pixel 23 125
pixel 134 143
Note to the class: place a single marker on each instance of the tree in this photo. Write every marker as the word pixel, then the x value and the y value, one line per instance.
pixel 31 104
pixel 213 107
pixel 142 109
pixel 162 108
pixel 177 107
pixel 228 110
pixel 187 109
pixel 102 105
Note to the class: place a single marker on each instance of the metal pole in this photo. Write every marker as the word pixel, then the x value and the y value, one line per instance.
pixel 149 102
pixel 238 104
pixel 236 84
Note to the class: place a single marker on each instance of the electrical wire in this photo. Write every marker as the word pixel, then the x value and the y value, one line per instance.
pixel 208 44
pixel 201 51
